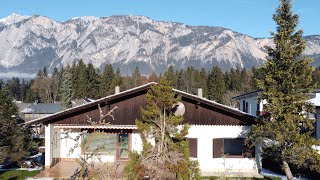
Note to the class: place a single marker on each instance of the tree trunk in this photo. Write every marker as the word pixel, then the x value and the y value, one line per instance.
pixel 287 170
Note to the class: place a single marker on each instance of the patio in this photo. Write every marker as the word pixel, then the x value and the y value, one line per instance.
pixel 65 169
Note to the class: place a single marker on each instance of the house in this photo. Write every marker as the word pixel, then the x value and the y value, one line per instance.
pixel 216 135
pixel 21 106
pixel 78 102
pixel 251 104
pixel 37 110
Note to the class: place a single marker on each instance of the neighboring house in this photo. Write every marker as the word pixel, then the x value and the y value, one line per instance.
pixel 37 110
pixel 251 104
pixel 79 102
pixel 216 135
pixel 21 106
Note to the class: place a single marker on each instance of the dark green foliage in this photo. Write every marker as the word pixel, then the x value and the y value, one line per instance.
pixel 15 140
pixel 18 174
pixel 136 77
pixel 80 79
pixel 169 157
pixel 105 80
pixel 316 77
pixel 285 86
pixel 92 82
pixel 55 82
pixel 216 85
pixel 1 84
pixel 171 74
pixel 116 81
pixel 202 82
pixel 23 91
pixel 66 89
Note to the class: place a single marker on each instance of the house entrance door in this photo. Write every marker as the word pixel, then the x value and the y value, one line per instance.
pixel 123 147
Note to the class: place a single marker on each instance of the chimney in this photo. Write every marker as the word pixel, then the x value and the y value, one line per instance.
pixel 200 92
pixel 116 90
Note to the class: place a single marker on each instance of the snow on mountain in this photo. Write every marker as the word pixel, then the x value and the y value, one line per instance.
pixel 29 43
pixel 13 18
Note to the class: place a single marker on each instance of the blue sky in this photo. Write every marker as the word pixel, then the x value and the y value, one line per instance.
pixel 252 17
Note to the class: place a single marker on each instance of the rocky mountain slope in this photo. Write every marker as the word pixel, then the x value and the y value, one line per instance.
pixel 27 43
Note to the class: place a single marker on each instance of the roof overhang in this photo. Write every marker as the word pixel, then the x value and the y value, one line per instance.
pixel 55 116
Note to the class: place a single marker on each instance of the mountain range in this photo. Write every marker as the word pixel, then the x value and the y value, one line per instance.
pixel 27 43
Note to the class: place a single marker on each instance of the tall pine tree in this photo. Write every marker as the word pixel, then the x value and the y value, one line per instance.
pixel 216 85
pixel 105 80
pixel 15 140
pixel 66 89
pixel 286 127
pixel 168 158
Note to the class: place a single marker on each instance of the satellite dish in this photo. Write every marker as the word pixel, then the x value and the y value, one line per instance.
pixel 178 109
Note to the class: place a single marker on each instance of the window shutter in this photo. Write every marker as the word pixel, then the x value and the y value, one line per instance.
pixel 193 147
pixel 217 147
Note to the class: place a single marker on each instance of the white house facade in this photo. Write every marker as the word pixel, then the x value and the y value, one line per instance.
pixel 251 104
pixel 216 135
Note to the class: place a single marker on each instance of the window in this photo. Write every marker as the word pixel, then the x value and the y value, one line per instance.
pixel 233 147
pixel 243 106
pixel 193 147
pixel 102 143
pixel 123 146
pixel 247 107
pixel 258 109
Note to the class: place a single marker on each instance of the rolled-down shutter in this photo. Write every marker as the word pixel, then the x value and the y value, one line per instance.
pixel 193 147
pixel 217 147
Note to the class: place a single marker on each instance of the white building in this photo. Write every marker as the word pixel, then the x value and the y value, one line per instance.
pixel 251 104
pixel 216 131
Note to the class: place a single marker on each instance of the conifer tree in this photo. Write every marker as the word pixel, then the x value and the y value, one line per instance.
pixel 105 80
pixel 136 77
pixel 153 77
pixel 23 91
pixel 285 131
pixel 116 81
pixel 202 83
pixel 168 158
pixel 1 84
pixel 80 78
pixel 216 85
pixel 92 82
pixel 15 140
pixel 172 75
pixel 67 90
pixel 55 81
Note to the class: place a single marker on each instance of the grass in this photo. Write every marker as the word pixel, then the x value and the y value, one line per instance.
pixel 18 174
pixel 235 178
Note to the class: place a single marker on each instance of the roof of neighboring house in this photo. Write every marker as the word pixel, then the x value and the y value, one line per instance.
pixel 79 102
pixel 42 108
pixel 138 90
pixel 21 106
pixel 315 100
pixel 247 94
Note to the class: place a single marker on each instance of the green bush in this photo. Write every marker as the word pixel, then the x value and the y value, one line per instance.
pixel 18 174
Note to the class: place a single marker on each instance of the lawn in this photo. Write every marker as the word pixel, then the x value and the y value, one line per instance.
pixel 235 178
pixel 18 174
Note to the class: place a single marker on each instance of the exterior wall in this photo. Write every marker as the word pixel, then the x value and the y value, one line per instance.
pixel 136 141
pixel 28 116
pixel 208 164
pixel 48 145
pixel 205 135
pixel 252 104
pixel 68 143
